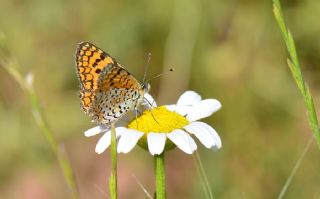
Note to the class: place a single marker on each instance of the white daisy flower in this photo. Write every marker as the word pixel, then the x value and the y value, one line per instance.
pixel 165 127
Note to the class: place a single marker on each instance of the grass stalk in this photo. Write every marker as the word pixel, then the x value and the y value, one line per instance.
pixel 294 170
pixel 201 172
pixel 294 65
pixel 8 62
pixel 295 69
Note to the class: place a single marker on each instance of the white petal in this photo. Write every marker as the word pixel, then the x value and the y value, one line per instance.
pixel 103 143
pixel 189 98
pixel 206 134
pixel 105 140
pixel 95 130
pixel 203 109
pixel 171 107
pixel 120 131
pixel 148 100
pixel 156 142
pixel 128 140
pixel 182 110
pixel 183 141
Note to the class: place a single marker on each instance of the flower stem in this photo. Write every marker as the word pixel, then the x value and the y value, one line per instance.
pixel 159 168
pixel 113 177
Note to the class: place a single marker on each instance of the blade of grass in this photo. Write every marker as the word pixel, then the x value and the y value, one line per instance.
pixel 201 172
pixel 295 169
pixel 148 195
pixel 8 62
pixel 295 69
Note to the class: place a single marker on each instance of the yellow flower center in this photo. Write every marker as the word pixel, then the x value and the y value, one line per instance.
pixel 158 120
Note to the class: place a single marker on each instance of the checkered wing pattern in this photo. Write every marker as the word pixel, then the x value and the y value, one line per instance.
pixel 107 90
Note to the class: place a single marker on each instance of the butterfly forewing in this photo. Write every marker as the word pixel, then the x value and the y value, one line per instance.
pixel 107 90
pixel 90 61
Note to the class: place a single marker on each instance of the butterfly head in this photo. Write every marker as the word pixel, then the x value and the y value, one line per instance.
pixel 146 87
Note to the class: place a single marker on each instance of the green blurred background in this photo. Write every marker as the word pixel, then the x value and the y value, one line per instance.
pixel 229 50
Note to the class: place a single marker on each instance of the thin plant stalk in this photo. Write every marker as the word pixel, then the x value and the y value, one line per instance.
pixel 295 169
pixel 148 195
pixel 113 184
pixel 201 172
pixel 294 65
pixel 159 168
pixel 26 83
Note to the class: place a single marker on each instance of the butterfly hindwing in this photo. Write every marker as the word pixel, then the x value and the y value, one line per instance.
pixel 107 90
pixel 119 92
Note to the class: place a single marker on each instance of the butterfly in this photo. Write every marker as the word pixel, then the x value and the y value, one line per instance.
pixel 107 90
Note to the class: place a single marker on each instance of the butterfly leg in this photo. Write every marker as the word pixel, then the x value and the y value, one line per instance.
pixel 150 108
pixel 153 116
pixel 138 112
pixel 151 104
pixel 136 115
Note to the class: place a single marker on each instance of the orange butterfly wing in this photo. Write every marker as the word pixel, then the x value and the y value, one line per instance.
pixel 107 90
pixel 90 62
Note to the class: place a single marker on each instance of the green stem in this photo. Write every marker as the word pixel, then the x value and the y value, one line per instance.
pixel 57 150
pixel 159 168
pixel 294 65
pixel 204 180
pixel 295 169
pixel 113 177
pixel 12 67
pixel 295 68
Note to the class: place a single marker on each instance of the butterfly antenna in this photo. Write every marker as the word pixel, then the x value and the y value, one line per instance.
pixel 159 75
pixel 146 68
pixel 147 82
